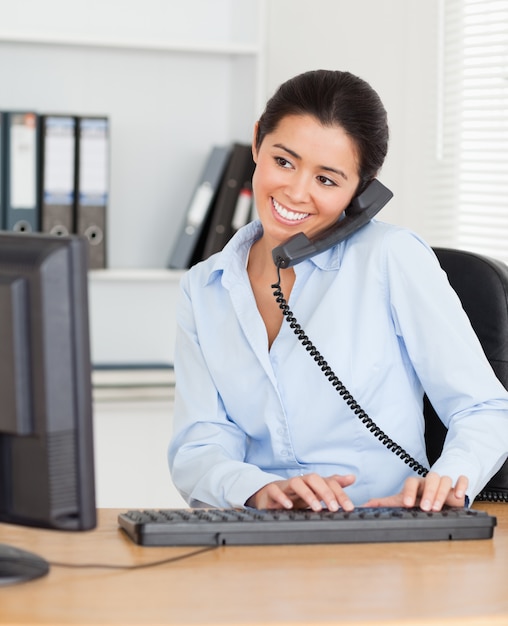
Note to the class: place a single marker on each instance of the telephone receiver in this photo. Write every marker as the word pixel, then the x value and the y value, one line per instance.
pixel 361 210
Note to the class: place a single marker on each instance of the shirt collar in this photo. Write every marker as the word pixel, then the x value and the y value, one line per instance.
pixel 231 261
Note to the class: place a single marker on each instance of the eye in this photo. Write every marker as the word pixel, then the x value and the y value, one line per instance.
pixel 282 162
pixel 327 182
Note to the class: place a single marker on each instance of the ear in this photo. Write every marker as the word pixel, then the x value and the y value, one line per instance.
pixel 254 142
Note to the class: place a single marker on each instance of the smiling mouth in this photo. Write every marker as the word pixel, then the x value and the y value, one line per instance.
pixel 286 214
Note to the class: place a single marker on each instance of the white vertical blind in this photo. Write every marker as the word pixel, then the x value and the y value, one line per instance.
pixel 471 195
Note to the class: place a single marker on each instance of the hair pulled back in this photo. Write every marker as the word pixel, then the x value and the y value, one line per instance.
pixel 334 98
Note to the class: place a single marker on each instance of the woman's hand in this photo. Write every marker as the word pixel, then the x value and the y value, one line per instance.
pixel 430 493
pixel 302 492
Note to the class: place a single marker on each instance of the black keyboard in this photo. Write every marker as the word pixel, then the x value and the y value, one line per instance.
pixel 200 527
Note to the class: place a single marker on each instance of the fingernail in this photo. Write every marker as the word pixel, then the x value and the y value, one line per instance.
pixel 333 506
pixel 316 506
pixel 425 505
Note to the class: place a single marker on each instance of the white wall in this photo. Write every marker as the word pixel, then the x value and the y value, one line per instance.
pixel 167 105
pixel 131 439
pixel 168 74
pixel 393 45
pixel 151 96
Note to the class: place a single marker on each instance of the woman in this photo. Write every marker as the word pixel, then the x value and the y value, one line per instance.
pixel 256 423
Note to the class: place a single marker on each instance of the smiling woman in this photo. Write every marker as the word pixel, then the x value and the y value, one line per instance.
pixel 306 175
pixel 256 423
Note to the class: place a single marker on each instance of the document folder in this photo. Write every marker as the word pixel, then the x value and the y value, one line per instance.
pixel 243 208
pixel 93 185
pixel 58 173
pixel 20 171
pixel 187 246
pixel 238 176
pixel 2 165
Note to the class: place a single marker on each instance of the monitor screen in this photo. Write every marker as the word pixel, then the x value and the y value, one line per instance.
pixel 46 438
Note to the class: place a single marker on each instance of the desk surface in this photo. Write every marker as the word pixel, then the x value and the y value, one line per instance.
pixel 456 582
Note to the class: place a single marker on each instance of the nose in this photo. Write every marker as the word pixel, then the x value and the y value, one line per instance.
pixel 298 188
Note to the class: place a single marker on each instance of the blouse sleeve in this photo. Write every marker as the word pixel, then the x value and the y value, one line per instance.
pixel 207 449
pixel 449 361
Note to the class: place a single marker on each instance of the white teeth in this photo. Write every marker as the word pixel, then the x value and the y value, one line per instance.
pixel 286 214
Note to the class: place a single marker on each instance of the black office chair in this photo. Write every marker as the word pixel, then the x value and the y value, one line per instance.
pixel 482 286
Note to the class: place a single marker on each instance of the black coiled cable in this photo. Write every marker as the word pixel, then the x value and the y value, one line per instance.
pixel 339 386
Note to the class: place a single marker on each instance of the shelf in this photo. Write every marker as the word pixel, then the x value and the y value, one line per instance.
pixel 173 78
pixel 135 275
pixel 230 49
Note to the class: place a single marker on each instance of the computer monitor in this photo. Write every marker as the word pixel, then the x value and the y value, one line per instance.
pixel 46 438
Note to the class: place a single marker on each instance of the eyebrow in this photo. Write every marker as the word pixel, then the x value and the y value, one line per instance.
pixel 297 156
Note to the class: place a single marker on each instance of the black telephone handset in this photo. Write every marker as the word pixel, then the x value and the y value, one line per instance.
pixel 361 210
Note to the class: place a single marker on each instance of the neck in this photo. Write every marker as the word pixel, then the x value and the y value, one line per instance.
pixel 262 275
pixel 261 260
pixel 263 270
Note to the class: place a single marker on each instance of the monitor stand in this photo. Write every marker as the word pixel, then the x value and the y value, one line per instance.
pixel 17 565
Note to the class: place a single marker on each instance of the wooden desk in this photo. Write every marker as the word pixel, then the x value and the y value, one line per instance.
pixel 457 582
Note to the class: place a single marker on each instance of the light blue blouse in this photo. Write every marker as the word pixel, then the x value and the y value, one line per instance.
pixel 381 312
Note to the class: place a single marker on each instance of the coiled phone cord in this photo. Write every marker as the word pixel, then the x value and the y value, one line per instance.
pixel 339 386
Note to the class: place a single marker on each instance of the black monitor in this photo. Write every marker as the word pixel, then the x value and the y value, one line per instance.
pixel 46 438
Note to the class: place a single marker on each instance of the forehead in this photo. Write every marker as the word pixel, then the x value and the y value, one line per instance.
pixel 310 139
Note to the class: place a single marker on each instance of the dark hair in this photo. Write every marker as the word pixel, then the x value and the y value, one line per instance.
pixel 334 98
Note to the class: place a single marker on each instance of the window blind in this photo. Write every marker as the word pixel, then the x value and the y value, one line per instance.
pixel 470 208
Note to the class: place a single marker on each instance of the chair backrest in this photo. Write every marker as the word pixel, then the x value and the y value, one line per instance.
pixel 482 286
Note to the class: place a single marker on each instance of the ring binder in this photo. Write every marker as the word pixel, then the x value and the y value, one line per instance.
pixel 92 185
pixel 187 246
pixel 58 173
pixel 20 171
pixel 237 177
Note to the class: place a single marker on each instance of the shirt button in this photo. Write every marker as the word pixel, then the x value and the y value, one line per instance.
pixel 284 452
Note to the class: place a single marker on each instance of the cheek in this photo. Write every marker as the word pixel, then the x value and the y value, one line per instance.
pixel 261 180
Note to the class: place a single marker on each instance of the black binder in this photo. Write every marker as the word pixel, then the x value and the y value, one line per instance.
pixel 244 208
pixel 238 177
pixel 93 185
pixel 187 248
pixel 20 159
pixel 2 159
pixel 58 173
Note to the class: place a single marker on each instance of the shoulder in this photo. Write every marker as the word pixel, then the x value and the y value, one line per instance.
pixel 382 235
pixel 390 244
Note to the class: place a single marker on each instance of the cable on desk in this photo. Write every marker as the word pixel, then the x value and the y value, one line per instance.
pixel 172 559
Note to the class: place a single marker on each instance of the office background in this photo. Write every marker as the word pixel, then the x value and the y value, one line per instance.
pixel 174 78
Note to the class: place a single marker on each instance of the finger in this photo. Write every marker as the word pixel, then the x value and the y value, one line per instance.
pixel 442 493
pixel 330 490
pixel 460 488
pixel 341 498
pixel 396 500
pixel 343 480
pixel 410 491
pixel 275 497
pixel 323 492
pixel 457 495
pixel 313 490
pixel 431 489
pixel 305 488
